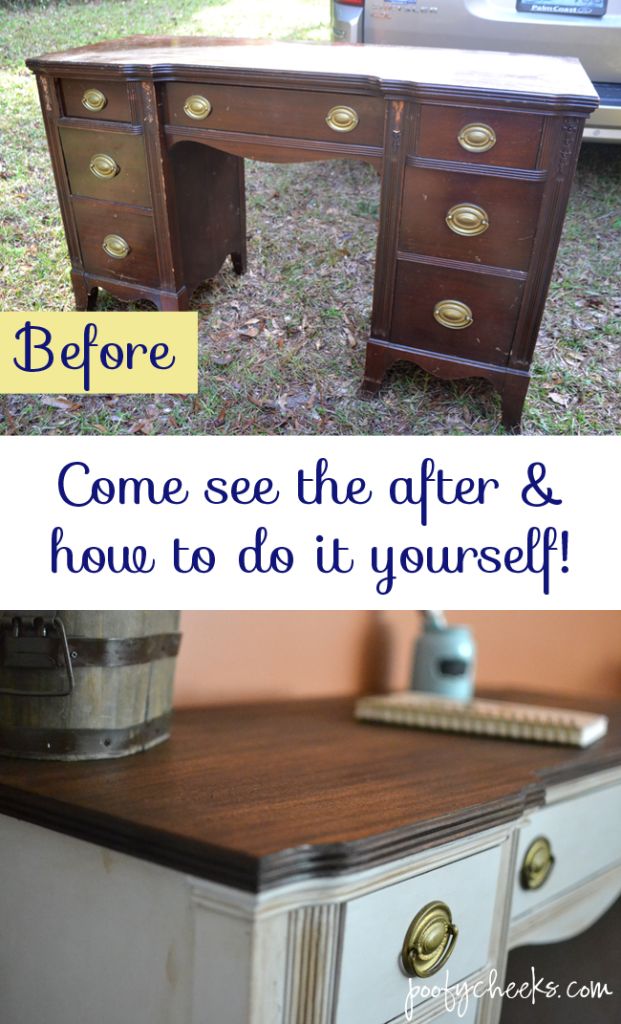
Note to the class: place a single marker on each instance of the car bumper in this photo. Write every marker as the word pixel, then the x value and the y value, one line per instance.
pixel 604 124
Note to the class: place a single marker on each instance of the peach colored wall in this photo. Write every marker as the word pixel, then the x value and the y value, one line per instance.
pixel 229 656
pixel 262 655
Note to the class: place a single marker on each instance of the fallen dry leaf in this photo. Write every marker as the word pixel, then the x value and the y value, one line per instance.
pixel 60 402
pixel 559 399
pixel 141 427
pixel 221 417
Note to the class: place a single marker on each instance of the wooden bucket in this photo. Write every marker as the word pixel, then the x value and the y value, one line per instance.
pixel 85 685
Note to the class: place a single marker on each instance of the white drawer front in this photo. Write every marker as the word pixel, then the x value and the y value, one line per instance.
pixel 453 1017
pixel 464 1014
pixel 585 836
pixel 373 987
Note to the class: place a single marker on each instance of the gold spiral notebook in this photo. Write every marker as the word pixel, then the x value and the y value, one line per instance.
pixel 483 717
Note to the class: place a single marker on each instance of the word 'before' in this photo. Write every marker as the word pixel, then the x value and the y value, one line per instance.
pixel 98 353
pixel 37 353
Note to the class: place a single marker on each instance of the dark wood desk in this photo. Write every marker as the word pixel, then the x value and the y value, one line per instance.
pixel 281 851
pixel 476 153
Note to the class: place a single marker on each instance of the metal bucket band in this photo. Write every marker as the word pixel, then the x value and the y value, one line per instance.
pixel 83 744
pixel 49 652
pixel 134 650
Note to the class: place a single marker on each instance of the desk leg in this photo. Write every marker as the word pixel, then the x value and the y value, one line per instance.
pixel 85 297
pixel 512 395
pixel 168 303
pixel 239 258
pixel 379 359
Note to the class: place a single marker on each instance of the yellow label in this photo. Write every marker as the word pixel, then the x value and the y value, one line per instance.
pixel 99 353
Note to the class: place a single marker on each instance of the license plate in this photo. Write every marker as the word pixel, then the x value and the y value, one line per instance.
pixel 588 9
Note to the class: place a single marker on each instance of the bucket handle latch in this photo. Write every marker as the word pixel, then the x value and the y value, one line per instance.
pixel 37 644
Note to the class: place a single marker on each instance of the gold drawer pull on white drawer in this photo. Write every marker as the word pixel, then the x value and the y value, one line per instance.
pixel 467 219
pixel 477 138
pixel 453 314
pixel 94 100
pixel 103 166
pixel 537 864
pixel 197 107
pixel 115 246
pixel 429 941
pixel 342 119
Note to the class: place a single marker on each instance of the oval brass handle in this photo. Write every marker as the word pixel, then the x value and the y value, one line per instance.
pixel 342 119
pixel 537 864
pixel 197 107
pixel 429 941
pixel 453 314
pixel 103 166
pixel 467 219
pixel 477 138
pixel 94 99
pixel 115 246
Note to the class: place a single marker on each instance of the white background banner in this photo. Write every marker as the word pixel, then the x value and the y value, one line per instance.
pixel 403 522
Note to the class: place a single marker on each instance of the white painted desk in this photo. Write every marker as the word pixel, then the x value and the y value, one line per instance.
pixel 264 867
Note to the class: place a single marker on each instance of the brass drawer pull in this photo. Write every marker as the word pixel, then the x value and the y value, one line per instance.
pixel 342 119
pixel 94 99
pixel 197 107
pixel 115 246
pixel 537 864
pixel 103 166
pixel 453 314
pixel 429 941
pixel 477 138
pixel 467 219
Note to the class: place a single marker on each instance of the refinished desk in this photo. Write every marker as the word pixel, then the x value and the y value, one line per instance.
pixel 476 151
pixel 264 867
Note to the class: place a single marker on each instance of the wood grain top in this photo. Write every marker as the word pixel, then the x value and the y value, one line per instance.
pixel 380 66
pixel 257 795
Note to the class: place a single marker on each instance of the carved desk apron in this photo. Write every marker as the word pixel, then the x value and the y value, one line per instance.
pixel 476 151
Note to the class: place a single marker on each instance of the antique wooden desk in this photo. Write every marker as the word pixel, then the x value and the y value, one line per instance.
pixel 266 865
pixel 476 153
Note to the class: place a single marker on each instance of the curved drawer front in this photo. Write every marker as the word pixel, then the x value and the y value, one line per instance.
pixel 101 101
pixel 479 136
pixel 455 312
pixel 116 242
pixel 372 985
pixel 106 165
pixel 441 207
pixel 584 836
pixel 285 113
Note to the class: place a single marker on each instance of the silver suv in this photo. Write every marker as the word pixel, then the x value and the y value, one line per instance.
pixel 587 29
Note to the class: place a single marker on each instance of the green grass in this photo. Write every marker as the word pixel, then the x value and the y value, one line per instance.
pixel 282 349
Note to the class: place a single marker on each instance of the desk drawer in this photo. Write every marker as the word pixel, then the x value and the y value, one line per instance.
pixel 466 1014
pixel 496 137
pixel 124 230
pixel 469 217
pixel 106 165
pixel 585 838
pixel 101 101
pixel 491 304
pixel 278 112
pixel 373 987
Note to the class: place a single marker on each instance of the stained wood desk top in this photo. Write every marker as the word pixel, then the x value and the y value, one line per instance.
pixel 554 78
pixel 256 795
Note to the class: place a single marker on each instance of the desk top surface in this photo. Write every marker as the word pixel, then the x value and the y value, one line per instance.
pixel 436 68
pixel 257 795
